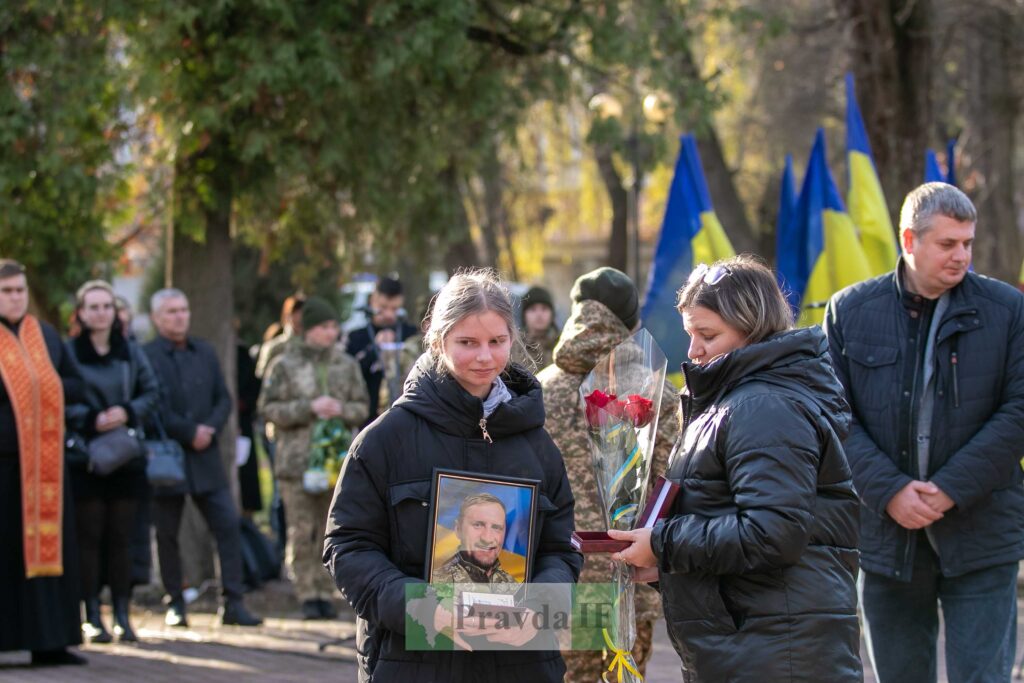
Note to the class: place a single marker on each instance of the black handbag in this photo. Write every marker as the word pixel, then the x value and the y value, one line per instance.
pixel 112 450
pixel 166 465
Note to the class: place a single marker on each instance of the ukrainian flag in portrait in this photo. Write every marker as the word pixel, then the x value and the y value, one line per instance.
pixel 690 234
pixel 830 256
pixel 866 201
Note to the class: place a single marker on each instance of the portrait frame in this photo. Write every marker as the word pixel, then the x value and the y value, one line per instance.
pixel 519 496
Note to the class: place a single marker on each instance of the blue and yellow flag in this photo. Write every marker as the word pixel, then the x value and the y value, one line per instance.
pixel 787 241
pixel 933 172
pixel 866 200
pixel 690 234
pixel 830 255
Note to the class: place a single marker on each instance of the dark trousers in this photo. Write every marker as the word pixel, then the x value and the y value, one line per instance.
pixel 105 527
pixel 979 610
pixel 221 515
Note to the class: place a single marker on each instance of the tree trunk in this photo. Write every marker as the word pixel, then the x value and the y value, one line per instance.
pixel 202 269
pixel 492 225
pixel 892 61
pixel 618 238
pixel 993 110
pixel 462 252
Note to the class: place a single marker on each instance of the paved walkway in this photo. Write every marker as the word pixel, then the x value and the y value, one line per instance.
pixel 285 648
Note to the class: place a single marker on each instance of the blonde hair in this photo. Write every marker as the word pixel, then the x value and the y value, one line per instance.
pixel 469 292
pixel 746 296
pixel 90 286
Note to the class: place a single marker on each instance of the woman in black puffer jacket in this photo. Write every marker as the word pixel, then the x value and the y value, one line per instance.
pixel 757 564
pixel 120 390
pixel 465 407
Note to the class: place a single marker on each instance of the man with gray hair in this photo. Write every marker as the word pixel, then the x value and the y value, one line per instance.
pixel 195 405
pixel 932 359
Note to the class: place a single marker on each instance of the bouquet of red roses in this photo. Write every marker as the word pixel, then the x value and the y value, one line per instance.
pixel 622 400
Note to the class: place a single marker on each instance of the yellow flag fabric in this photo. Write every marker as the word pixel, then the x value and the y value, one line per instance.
pixel 711 243
pixel 870 215
pixel 841 263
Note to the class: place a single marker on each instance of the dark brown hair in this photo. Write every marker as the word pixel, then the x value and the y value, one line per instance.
pixel 745 295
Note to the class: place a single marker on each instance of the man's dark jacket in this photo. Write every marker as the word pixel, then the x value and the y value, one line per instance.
pixel 193 393
pixel 977 433
pixel 758 562
pixel 379 520
pixel 362 346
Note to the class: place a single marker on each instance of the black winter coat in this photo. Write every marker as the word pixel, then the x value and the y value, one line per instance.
pixel 758 563
pixel 193 393
pixel 977 433
pixel 122 377
pixel 377 528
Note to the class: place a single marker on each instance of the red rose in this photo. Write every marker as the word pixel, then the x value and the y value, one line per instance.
pixel 599 406
pixel 638 410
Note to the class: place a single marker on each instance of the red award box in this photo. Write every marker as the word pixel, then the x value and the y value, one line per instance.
pixel 659 504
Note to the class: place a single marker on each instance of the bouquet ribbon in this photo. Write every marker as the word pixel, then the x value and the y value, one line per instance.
pixel 621 659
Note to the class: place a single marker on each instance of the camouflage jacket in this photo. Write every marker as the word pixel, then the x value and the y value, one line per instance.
pixel 271 349
pixel 293 380
pixel 460 569
pixel 538 351
pixel 590 333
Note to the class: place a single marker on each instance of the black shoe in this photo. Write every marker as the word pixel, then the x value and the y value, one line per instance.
pixel 93 629
pixel 327 610
pixel 234 613
pixel 59 657
pixel 176 614
pixel 122 627
pixel 311 609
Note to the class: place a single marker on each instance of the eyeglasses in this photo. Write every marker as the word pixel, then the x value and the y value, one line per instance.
pixel 710 276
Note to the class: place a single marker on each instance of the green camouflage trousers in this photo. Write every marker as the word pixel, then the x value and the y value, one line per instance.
pixel 306 515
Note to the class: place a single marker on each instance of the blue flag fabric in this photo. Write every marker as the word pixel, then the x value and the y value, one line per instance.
pixel 690 234
pixel 829 254
pixel 787 241
pixel 933 171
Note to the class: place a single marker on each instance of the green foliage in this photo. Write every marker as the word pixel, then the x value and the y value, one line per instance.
pixel 60 122
pixel 328 129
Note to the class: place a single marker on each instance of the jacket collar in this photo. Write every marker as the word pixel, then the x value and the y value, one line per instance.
pixel 86 352
pixel 959 296
pixel 168 346
pixel 441 400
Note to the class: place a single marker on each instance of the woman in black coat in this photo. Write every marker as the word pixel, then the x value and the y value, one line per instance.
pixel 120 391
pixel 757 564
pixel 464 408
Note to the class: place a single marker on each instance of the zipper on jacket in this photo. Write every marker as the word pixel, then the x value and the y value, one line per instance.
pixel 953 361
pixel 483 428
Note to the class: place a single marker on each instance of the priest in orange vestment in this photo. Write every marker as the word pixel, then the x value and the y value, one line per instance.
pixel 38 567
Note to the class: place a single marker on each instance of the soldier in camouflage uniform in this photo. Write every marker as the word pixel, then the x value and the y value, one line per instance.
pixel 537 318
pixel 313 379
pixel 605 311
pixel 480 527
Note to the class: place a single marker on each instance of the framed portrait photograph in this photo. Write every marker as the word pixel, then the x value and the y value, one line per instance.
pixel 482 529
